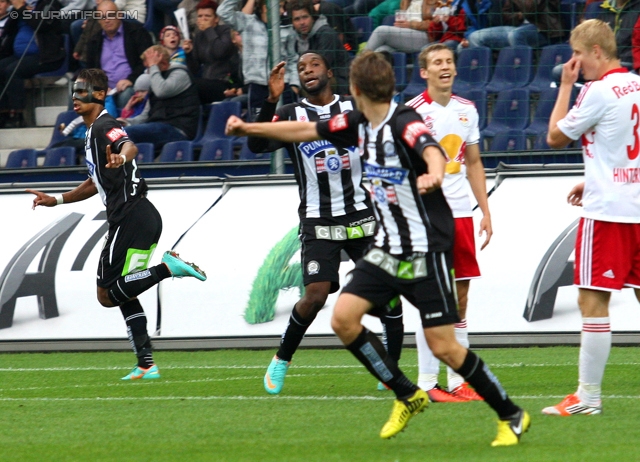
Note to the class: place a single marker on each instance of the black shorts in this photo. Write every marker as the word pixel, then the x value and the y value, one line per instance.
pixel 433 294
pixel 321 257
pixel 129 244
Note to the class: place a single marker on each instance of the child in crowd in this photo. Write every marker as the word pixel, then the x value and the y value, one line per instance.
pixel 170 38
pixel 140 98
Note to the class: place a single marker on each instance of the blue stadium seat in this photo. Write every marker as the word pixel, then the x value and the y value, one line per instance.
pixel 400 69
pixel 592 10
pixel 177 151
pixel 513 69
pixel 363 26
pixel 146 153
pixel 63 118
pixel 540 121
pixel 510 140
pixel 22 158
pixel 416 84
pixel 511 111
pixel 570 8
pixel 479 97
pixel 220 149
pixel 59 157
pixel 246 154
pixel 62 70
pixel 388 20
pixel 474 69
pixel 550 57
pixel 540 142
pixel 218 115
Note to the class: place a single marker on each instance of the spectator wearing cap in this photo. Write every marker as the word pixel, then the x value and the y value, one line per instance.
pixel 170 37
pixel 139 102
pixel 210 54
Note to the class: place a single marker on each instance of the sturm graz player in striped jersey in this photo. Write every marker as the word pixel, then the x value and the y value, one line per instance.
pixel 335 209
pixel 413 251
pixel 134 223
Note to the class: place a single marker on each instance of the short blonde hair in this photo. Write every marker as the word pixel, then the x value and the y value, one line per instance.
pixel 595 32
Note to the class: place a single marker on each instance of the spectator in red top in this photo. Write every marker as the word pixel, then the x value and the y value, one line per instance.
pixel 448 25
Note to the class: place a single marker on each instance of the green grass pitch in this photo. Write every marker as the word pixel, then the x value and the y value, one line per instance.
pixel 211 406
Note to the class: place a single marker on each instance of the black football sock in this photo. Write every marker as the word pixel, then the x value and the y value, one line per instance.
pixel 370 351
pixel 293 335
pixel 136 322
pixel 477 373
pixel 132 285
pixel 393 332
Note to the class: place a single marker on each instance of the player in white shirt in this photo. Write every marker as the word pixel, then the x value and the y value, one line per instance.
pixel 453 122
pixel 607 117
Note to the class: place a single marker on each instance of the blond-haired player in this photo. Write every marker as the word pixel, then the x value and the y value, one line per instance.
pixel 606 116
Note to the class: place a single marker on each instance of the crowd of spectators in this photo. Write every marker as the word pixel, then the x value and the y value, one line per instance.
pixel 225 53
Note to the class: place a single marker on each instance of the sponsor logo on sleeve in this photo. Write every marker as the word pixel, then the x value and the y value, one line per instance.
pixel 339 122
pixel 115 134
pixel 413 131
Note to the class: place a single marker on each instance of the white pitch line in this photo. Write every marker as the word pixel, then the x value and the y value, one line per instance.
pixel 296 366
pixel 261 398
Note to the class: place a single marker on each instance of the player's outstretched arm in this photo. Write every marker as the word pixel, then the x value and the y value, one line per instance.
pixel 436 162
pixel 83 191
pixel 287 131
pixel 478 183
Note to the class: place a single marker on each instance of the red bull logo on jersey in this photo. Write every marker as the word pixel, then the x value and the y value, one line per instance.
pixel 632 87
pixel 392 175
pixel 464 120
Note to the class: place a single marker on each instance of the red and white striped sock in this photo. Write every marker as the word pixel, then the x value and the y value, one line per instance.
pixel 595 345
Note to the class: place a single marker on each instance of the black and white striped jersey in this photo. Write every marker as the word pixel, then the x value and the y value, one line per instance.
pixel 329 178
pixel 408 222
pixel 119 188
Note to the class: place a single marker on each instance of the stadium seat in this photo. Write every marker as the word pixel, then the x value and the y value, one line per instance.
pixel 177 151
pixel 416 85
pixel 550 57
pixel 246 154
pixel 474 69
pixel 511 111
pixel 22 158
pixel 479 98
pixel 363 26
pixel 59 157
pixel 63 118
pixel 540 121
pixel 400 69
pixel 146 153
pixel 592 10
pixel 540 142
pixel 513 69
pixel 510 140
pixel 62 70
pixel 218 115
pixel 570 8
pixel 220 149
pixel 388 20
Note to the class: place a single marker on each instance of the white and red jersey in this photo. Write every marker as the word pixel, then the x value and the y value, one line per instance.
pixel 607 117
pixel 454 126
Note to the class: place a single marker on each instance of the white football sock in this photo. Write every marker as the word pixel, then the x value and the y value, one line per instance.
pixel 454 380
pixel 595 345
pixel 428 365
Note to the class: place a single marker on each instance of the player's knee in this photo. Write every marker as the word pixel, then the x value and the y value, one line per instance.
pixel 103 298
